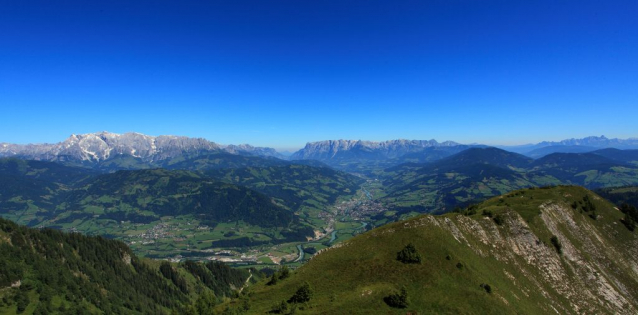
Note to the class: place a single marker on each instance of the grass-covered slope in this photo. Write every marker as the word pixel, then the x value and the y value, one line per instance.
pixel 29 187
pixel 33 195
pixel 43 171
pixel 298 187
pixel 473 174
pixel 537 251
pixel 161 192
pixel 163 213
pixel 219 160
pixel 51 272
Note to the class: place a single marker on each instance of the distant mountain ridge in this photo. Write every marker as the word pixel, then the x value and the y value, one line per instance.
pixel 107 151
pixel 364 157
pixel 330 149
pixel 541 152
pixel 339 149
pixel 572 145
pixel 101 146
pixel 593 141
pixel 477 173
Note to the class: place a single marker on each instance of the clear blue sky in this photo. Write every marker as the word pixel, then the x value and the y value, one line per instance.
pixel 281 73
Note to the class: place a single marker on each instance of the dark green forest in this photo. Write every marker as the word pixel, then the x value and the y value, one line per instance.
pixel 46 271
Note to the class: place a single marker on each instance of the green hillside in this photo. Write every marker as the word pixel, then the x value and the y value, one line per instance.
pixel 535 251
pixel 176 213
pixel 219 160
pixel 264 210
pixel 479 173
pixel 161 192
pixel 298 187
pixel 30 190
pixel 139 196
pixel 51 272
pixel 586 169
pixel 160 213
pixel 39 171
pixel 473 174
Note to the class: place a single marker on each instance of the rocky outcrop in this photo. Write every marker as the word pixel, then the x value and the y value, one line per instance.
pixel 586 274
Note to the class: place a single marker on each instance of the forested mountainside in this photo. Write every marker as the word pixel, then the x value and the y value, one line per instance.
pixel 51 272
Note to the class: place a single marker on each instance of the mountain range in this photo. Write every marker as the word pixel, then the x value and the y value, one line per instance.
pixel 411 170
pixel 158 151
pixel 573 145
pixel 365 156
pixel 511 234
pixel 342 149
pixel 101 146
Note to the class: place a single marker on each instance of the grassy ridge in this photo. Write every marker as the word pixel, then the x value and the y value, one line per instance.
pixel 506 242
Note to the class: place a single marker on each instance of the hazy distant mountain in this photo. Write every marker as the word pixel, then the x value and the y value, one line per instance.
pixel 101 146
pixel 250 150
pixel 432 154
pixel 363 156
pixel 567 146
pixel 340 149
pixel 541 152
pixel 286 153
pixel 594 141
pixel 110 151
pixel 489 155
pixel 626 156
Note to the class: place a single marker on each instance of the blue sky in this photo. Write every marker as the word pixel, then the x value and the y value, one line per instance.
pixel 281 73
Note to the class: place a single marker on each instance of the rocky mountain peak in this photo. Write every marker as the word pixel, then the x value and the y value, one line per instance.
pixel 100 146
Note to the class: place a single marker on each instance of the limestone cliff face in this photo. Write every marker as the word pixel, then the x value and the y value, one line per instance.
pixel 591 276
